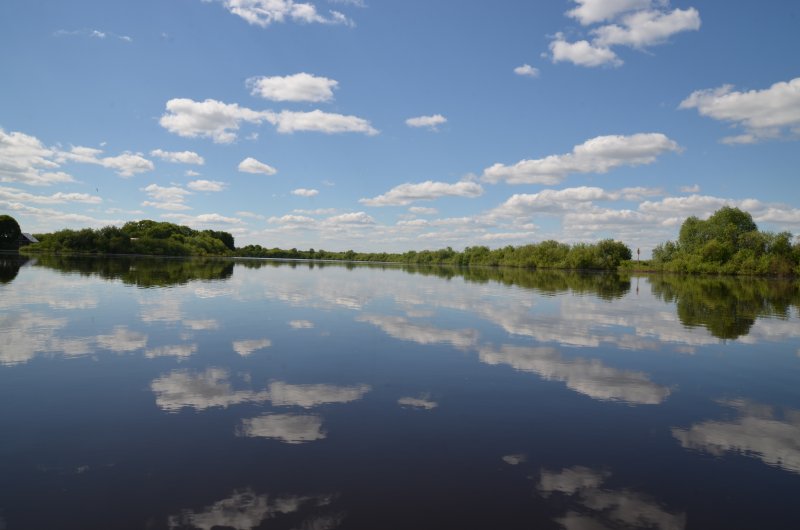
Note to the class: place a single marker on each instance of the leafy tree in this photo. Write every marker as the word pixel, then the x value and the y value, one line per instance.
pixel 9 233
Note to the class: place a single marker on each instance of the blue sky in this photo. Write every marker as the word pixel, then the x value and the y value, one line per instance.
pixel 382 125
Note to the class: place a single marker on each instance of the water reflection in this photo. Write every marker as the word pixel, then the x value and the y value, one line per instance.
pixel 10 265
pixel 245 509
pixel 210 388
pixel 141 271
pixel 247 347
pixel 287 428
pixel 401 328
pixel 422 402
pixel 308 396
pixel 727 306
pixel 586 376
pixel 594 507
pixel 759 431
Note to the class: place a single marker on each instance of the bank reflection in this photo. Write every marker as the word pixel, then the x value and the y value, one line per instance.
pixel 245 509
pixel 757 431
pixel 10 265
pixel 590 505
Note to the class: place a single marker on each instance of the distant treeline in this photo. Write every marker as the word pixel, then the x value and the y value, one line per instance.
pixel 728 242
pixel 604 255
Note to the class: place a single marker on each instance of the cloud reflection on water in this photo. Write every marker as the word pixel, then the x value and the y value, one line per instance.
pixel 590 506
pixel 288 428
pixel 757 432
pixel 586 376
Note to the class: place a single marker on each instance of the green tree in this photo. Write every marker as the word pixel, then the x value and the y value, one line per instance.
pixel 9 233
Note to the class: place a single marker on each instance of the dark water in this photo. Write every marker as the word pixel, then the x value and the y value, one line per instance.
pixel 144 393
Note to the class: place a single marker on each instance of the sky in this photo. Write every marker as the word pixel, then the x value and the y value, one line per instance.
pixel 382 125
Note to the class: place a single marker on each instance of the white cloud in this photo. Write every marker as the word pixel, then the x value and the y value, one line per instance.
pixel 93 33
pixel 251 165
pixel 597 155
pixel 526 70
pixel 297 87
pixel 288 428
pixel 633 23
pixel 582 53
pixel 427 121
pixel 405 194
pixel 209 119
pixel 423 210
pixel 126 165
pixel 13 194
pixel 303 192
pixel 166 198
pixel 191 173
pixel 318 121
pixel 764 114
pixel 206 185
pixel 593 11
pixel 301 324
pixel 694 188
pixel 266 12
pixel 183 157
pixel 352 218
pixel 292 220
pixel 202 221
pixel 647 28
pixel 550 201
pixel 24 159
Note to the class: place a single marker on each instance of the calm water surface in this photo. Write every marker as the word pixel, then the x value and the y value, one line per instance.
pixel 146 393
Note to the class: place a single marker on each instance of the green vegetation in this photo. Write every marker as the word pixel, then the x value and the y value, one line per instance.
pixel 728 242
pixel 9 233
pixel 605 255
pixel 137 237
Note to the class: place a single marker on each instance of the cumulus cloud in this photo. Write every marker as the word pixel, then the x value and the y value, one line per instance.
pixel 13 194
pixel 182 157
pixel 263 13
pixel 405 194
pixel 288 122
pixel 303 192
pixel 24 159
pixel 431 122
pixel 207 119
pixel 251 165
pixel 594 11
pixel 206 185
pixel 597 155
pixel 632 23
pixel 526 70
pixel 763 114
pixel 582 53
pixel 92 33
pixel 297 87
pixel 204 220
pixel 166 197
pixel 127 164
pixel 423 210
pixel 290 220
pixel 352 218
pixel 177 350
pixel 694 188
pixel 647 28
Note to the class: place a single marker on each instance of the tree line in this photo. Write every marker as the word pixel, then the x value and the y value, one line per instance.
pixel 728 242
